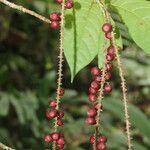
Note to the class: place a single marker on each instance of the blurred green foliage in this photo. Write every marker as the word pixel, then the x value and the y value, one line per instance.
pixel 28 64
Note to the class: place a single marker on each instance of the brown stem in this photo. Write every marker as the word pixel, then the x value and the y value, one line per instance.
pixel 60 65
pixel 4 147
pixel 25 10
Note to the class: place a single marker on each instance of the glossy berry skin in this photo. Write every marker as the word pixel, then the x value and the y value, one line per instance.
pixel 90 121
pixel 60 113
pixel 52 103
pixel 51 114
pixel 102 139
pixel 109 66
pixel 92 112
pixel 95 85
pixel 61 91
pixel 48 138
pixel 111 50
pixel 92 139
pixel 61 141
pixel 110 57
pixel 69 4
pixel 92 91
pixel 107 88
pixel 108 75
pixel 58 1
pixel 60 122
pixel 95 71
pixel 55 24
pixel 97 79
pixel 108 35
pixel 107 27
pixel 55 16
pixel 101 146
pixel 55 136
pixel 60 146
pixel 92 98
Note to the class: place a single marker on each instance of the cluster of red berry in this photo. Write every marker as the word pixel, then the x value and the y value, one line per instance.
pixel 58 114
pixel 101 142
pixel 55 17
pixel 56 137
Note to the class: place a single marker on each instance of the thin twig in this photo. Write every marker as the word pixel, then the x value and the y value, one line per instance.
pixel 123 82
pixel 60 65
pixel 25 10
pixel 4 147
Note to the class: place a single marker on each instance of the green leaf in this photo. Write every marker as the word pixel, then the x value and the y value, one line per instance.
pixel 136 16
pixel 4 104
pixel 138 119
pixel 83 36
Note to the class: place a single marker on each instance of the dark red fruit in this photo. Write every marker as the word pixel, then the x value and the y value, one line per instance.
pixel 51 114
pixel 55 24
pixel 69 4
pixel 95 71
pixel 111 50
pixel 107 88
pixel 55 16
pixel 97 79
pixel 61 141
pixel 92 139
pixel 92 90
pixel 90 121
pixel 108 75
pixel 61 91
pixel 59 1
pixel 55 136
pixel 108 35
pixel 92 112
pixel 109 66
pixel 60 113
pixel 47 138
pixel 107 27
pixel 52 103
pixel 95 85
pixel 60 146
pixel 92 98
pixel 60 122
pixel 102 139
pixel 101 146
pixel 110 57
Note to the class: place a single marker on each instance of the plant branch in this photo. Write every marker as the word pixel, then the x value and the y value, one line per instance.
pixel 60 64
pixel 4 147
pixel 25 10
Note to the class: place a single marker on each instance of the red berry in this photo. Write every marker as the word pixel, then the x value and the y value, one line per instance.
pixel 61 91
pixel 47 138
pixel 69 4
pixel 52 103
pixel 55 24
pixel 95 85
pixel 92 139
pixel 108 35
pixel 92 98
pixel 111 50
pixel 107 27
pixel 59 1
pixel 108 75
pixel 55 136
pixel 107 88
pixel 101 146
pixel 51 114
pixel 95 71
pixel 92 112
pixel 92 90
pixel 60 122
pixel 60 113
pixel 97 79
pixel 60 146
pixel 109 66
pixel 55 16
pixel 110 57
pixel 90 121
pixel 61 141
pixel 102 139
